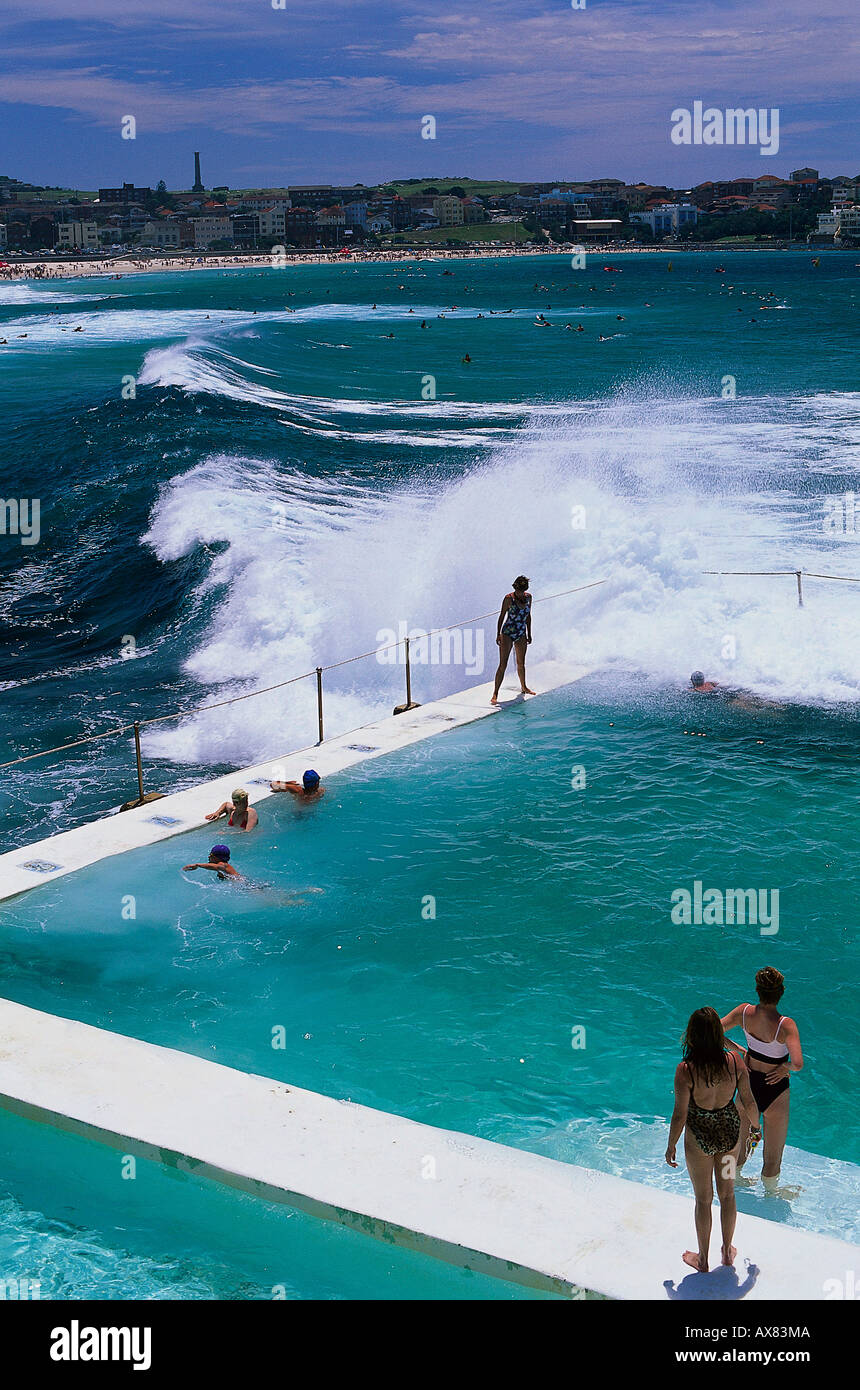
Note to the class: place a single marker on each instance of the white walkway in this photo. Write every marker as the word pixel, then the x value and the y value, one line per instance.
pixel 483 1206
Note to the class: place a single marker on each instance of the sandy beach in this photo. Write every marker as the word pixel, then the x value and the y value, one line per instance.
pixel 117 269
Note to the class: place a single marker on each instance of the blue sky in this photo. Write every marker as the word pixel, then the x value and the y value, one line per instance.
pixel 334 92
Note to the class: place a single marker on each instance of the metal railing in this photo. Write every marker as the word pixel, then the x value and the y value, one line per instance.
pixel 798 575
pixel 317 671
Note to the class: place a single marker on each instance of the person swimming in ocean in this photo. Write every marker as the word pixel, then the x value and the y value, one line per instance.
pixel 219 862
pixel 706 1084
pixel 309 789
pixel 242 816
pixel 514 629
pixel 772 1054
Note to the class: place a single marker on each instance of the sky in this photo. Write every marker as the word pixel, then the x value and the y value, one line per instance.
pixel 336 92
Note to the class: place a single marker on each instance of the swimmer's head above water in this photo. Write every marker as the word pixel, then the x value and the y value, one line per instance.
pixel 219 854
pixel 698 682
pixel 310 780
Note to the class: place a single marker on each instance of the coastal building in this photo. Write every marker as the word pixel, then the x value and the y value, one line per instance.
pixel 778 191
pixel 272 221
pixel 209 229
pixel 300 226
pixel 356 214
pixel 161 233
pixel 667 219
pixel 804 175
pixel 71 235
pixel 127 194
pixel 262 199
pixel 842 222
pixel 448 211
pixel 2 236
pixel 598 228
pixel 473 211
pixel 246 229
pixel 323 195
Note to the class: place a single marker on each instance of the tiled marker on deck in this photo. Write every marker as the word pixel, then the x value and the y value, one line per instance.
pixel 41 866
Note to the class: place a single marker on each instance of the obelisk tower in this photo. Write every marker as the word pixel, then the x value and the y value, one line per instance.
pixel 198 183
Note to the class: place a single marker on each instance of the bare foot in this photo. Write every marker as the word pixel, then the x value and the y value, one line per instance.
pixel 526 690
pixel 729 1256
pixel 691 1258
pixel 494 700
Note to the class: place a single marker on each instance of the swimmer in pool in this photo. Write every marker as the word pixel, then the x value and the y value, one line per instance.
pixel 741 699
pixel 700 685
pixel 309 789
pixel 242 816
pixel 219 862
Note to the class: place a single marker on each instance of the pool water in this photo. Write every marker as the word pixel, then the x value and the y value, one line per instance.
pixel 431 933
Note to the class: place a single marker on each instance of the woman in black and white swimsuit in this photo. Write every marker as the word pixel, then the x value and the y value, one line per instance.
pixel 772 1053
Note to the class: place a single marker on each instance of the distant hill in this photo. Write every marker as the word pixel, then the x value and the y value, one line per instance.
pixel 482 187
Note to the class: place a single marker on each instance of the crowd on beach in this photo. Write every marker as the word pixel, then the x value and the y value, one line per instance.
pixel 116 267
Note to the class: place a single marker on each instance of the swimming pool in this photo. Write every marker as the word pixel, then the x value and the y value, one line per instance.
pixel 429 936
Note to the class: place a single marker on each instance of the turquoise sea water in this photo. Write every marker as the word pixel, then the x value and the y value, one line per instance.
pixel 276 495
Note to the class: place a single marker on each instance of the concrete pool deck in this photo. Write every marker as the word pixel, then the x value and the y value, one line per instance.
pixel 31 865
pixel 479 1205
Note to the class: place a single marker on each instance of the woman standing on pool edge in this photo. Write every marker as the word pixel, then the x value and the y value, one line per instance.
pixel 514 629
pixel 773 1052
pixel 711 1126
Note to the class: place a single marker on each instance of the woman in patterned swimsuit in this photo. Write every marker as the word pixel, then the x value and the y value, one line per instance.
pixel 514 629
pixel 706 1083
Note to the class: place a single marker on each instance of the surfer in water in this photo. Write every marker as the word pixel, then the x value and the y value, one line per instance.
pixel 772 1053
pixel 706 1084
pixel 219 862
pixel 514 629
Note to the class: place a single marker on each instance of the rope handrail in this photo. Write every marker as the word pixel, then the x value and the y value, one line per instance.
pixel 266 690
pixel 807 574
pixel 318 671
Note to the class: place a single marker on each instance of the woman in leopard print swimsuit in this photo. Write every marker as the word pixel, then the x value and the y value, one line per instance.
pixel 706 1083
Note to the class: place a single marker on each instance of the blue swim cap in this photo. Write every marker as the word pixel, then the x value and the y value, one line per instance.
pixel 310 779
pixel 220 852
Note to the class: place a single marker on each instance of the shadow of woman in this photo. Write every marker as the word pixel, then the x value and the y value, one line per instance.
pixel 720 1284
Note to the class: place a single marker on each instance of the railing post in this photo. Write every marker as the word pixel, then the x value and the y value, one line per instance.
pixel 799 590
pixel 139 761
pixel 410 703
pixel 320 701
